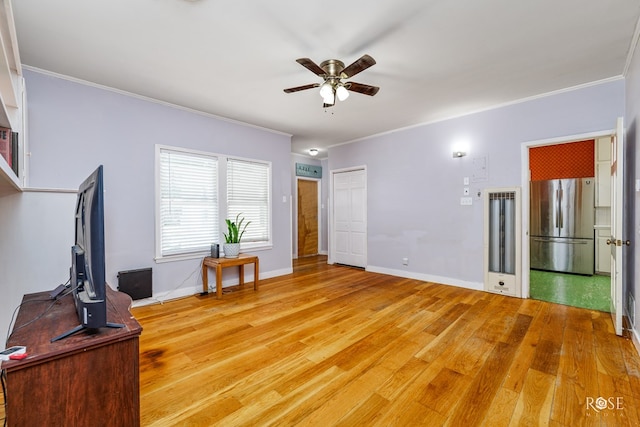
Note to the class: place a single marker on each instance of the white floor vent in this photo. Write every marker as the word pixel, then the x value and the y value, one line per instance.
pixel 502 231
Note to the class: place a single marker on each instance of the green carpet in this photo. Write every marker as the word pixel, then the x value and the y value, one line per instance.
pixel 592 292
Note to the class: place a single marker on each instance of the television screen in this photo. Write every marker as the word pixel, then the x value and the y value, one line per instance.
pixel 90 233
pixel 88 277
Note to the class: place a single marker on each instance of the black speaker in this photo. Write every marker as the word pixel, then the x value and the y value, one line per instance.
pixel 135 283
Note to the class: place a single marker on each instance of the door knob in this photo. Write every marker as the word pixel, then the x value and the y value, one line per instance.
pixel 619 242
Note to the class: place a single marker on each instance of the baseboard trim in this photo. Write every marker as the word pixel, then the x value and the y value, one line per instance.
pixel 477 286
pixel 635 339
pixel 161 297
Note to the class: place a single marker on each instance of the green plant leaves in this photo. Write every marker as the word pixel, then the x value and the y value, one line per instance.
pixel 235 230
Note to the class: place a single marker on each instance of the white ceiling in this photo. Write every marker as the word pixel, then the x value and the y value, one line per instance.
pixel 435 59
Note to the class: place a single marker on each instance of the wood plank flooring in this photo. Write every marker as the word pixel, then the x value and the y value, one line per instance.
pixel 338 346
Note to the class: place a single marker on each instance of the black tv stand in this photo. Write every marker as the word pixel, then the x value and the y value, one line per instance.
pixel 82 327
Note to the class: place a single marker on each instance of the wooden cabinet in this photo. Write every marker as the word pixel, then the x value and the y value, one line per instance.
pixel 87 379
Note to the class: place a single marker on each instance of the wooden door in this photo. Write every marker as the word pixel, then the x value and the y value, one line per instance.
pixel 307 217
pixel 349 218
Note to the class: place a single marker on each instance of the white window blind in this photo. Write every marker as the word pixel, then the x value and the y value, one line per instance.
pixel 188 205
pixel 248 189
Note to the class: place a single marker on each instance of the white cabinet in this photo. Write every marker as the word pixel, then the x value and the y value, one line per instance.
pixel 11 97
pixel 603 184
pixel 603 172
pixel 603 251
pixel 603 204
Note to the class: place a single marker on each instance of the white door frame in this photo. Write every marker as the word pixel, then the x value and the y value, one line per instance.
pixel 524 160
pixel 331 240
pixel 295 226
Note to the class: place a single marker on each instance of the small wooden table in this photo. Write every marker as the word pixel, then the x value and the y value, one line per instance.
pixel 220 263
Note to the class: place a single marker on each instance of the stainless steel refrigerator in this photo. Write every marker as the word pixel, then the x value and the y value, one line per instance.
pixel 561 225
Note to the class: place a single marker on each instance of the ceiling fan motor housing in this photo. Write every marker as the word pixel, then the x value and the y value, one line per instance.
pixel 332 68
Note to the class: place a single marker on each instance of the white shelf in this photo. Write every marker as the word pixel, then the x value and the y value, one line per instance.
pixel 9 182
pixel 11 96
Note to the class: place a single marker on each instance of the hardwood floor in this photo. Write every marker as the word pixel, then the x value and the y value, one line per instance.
pixel 332 345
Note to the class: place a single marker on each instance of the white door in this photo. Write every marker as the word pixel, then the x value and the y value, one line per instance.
pixel 349 231
pixel 616 242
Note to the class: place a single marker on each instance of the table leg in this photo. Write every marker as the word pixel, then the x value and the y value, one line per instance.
pixel 205 278
pixel 256 268
pixel 219 281
pixel 241 275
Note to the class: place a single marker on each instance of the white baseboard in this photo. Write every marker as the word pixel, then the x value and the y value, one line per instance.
pixel 635 339
pixel 478 286
pixel 191 290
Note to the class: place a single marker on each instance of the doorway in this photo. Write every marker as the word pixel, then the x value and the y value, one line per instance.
pixel 576 161
pixel 308 195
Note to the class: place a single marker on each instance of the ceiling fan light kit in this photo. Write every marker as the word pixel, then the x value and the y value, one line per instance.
pixel 341 92
pixel 332 71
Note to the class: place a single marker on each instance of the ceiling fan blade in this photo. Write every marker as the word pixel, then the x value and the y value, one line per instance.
pixel 299 88
pixel 358 66
pixel 311 66
pixel 362 88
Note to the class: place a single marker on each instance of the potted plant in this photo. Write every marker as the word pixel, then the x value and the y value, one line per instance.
pixel 235 230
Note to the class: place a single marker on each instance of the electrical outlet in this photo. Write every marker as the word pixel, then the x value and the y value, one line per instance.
pixel 405 261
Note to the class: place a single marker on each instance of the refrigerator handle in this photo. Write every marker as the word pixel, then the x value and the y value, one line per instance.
pixel 556 211
pixel 560 216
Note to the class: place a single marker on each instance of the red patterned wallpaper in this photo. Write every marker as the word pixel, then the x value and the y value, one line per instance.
pixel 571 160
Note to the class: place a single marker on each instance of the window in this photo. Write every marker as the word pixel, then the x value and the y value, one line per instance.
pixel 187 201
pixel 190 214
pixel 248 189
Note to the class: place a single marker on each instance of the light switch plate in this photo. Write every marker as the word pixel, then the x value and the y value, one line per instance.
pixel 466 201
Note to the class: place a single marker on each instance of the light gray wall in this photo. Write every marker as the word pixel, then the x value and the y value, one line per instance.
pixel 414 184
pixel 35 248
pixel 632 168
pixel 73 128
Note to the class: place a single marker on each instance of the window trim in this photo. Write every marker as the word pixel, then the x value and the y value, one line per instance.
pixel 222 203
pixel 159 257
pixel 268 244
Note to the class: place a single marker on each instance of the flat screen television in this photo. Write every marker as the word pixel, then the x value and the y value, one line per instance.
pixel 88 277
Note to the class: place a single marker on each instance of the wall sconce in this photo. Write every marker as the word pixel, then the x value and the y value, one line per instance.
pixel 313 152
pixel 457 154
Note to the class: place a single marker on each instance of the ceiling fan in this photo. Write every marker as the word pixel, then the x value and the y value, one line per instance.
pixel 332 71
